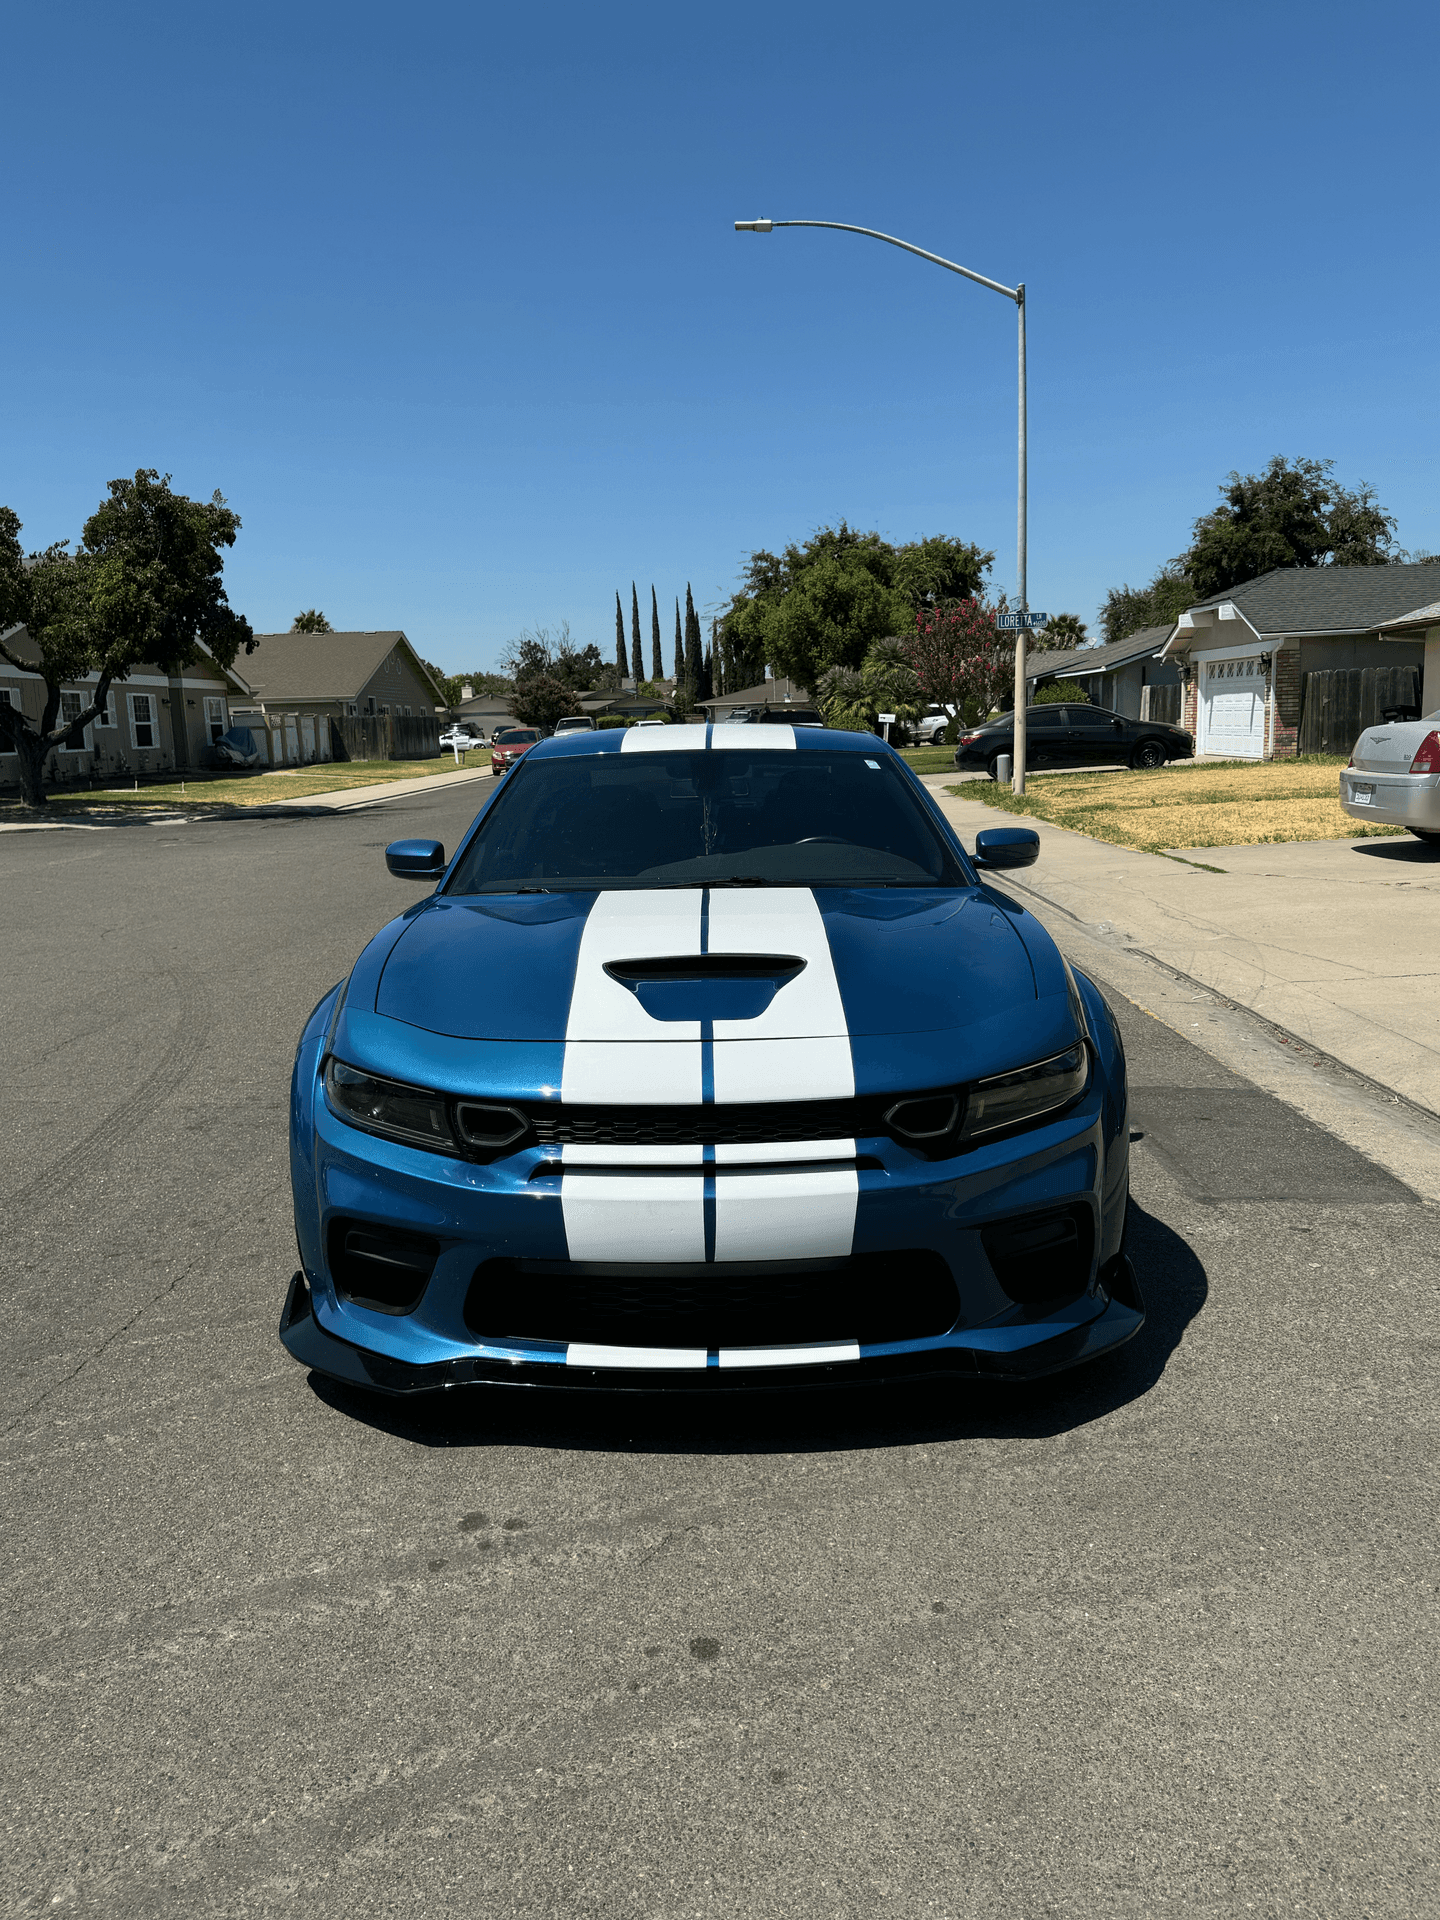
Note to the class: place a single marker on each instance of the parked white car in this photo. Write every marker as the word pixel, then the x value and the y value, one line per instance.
pixel 460 739
pixel 576 723
pixel 931 726
pixel 1394 777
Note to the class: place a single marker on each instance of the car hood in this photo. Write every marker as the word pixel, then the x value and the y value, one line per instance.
pixel 774 963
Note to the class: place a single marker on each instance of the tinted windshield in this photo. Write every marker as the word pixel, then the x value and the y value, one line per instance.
pixel 703 818
pixel 516 736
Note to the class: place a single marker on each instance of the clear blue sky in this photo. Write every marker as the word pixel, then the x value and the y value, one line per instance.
pixel 447 303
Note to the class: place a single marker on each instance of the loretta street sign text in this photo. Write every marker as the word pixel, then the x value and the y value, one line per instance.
pixel 1010 621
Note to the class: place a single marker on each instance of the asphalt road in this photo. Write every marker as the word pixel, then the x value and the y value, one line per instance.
pixel 1156 1639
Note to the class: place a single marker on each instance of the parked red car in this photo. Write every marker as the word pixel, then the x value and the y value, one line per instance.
pixel 507 747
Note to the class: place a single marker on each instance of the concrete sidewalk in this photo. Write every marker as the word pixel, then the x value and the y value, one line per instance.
pixel 1337 941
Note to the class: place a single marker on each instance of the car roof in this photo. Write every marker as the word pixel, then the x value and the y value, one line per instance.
pixel 680 738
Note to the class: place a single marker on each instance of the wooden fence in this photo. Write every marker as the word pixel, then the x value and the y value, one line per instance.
pixel 385 736
pixel 1336 707
pixel 1161 703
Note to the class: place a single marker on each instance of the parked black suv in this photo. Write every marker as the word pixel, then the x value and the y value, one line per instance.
pixel 1075 736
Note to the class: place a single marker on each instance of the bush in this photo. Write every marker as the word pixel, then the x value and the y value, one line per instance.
pixel 613 720
pixel 1053 692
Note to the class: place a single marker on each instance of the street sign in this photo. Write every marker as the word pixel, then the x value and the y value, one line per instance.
pixel 1008 622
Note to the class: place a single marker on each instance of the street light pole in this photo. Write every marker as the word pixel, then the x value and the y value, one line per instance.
pixel 1017 294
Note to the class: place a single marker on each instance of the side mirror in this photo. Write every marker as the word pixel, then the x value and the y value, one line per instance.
pixel 1006 847
pixel 415 859
pixel 1118 725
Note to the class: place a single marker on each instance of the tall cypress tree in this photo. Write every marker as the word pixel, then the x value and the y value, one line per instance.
pixel 679 651
pixel 692 645
pixel 637 658
pixel 621 660
pixel 657 670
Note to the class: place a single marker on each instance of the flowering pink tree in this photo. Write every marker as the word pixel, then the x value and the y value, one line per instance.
pixel 961 659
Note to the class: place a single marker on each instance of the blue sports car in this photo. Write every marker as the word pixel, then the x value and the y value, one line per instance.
pixel 710 1061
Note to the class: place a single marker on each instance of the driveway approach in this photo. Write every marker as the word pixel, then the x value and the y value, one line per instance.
pixel 1153 1640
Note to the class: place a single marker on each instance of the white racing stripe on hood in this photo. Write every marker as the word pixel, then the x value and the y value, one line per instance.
pixel 799 1048
pixel 612 1054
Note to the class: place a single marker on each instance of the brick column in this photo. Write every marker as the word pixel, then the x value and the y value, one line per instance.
pixel 1284 713
pixel 1190 703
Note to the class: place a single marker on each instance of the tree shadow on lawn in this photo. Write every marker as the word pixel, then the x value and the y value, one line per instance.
pixel 814 1420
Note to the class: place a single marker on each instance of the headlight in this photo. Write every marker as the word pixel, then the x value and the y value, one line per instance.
pixel 1009 1099
pixel 389 1108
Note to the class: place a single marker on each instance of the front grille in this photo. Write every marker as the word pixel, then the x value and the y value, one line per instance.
pixel 904 1295
pixel 704 1126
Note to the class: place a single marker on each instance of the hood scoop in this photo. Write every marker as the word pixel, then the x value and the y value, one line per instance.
pixel 706 986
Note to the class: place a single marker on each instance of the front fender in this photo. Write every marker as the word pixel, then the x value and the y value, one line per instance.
pixel 304 1078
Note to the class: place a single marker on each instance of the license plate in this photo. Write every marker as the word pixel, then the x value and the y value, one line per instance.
pixel 1362 796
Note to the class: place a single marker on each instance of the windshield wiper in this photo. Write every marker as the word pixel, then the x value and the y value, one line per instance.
pixel 726 880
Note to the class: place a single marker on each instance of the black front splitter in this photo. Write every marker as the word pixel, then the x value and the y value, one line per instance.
pixel 309 1343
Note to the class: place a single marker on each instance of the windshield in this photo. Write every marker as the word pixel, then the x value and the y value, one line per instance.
pixel 516 736
pixel 707 818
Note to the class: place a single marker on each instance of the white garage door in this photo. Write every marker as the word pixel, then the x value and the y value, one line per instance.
pixel 1233 708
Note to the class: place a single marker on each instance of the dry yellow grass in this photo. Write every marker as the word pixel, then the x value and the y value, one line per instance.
pixel 1190 805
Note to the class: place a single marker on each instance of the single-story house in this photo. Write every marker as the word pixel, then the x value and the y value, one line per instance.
pixel 768 693
pixel 1251 660
pixel 302 681
pixel 486 711
pixel 153 722
pixel 1119 675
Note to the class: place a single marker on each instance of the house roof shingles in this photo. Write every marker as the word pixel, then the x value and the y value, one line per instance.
pixel 319 666
pixel 1074 661
pixel 1329 599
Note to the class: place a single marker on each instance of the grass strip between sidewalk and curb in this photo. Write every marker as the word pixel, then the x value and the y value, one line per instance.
pixel 257 789
pixel 1204 804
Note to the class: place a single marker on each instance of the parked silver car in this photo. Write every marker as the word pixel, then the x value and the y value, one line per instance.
pixel 1394 777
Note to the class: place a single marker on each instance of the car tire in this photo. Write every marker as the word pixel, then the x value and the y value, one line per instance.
pixel 1427 834
pixel 1148 755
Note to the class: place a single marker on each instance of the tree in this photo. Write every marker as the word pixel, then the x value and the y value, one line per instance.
pixel 692 647
pixel 961 659
pixel 657 664
pixel 1062 632
pixel 826 603
pixel 637 657
pixel 679 651
pixel 885 683
pixel 622 659
pixel 145 587
pixel 538 651
pixel 311 621
pixel 1127 609
pixel 1292 515
pixel 540 699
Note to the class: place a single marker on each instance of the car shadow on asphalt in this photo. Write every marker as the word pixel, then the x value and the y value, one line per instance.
pixel 822 1420
pixel 1409 851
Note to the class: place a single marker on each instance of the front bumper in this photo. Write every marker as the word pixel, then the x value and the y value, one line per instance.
pixel 1394 799
pixel 1120 1318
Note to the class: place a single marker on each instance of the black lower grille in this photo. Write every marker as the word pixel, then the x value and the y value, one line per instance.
pixel 905 1295
pixel 1040 1258
pixel 380 1267
pixel 696 1126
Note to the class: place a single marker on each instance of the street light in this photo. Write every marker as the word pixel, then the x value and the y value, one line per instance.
pixel 1017 294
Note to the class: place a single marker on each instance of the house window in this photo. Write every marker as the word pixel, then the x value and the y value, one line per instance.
pixel 72 705
pixel 406 712
pixel 106 716
pixel 9 698
pixel 384 707
pixel 214 718
pixel 144 723
pixel 351 709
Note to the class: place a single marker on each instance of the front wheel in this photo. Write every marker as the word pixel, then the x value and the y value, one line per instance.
pixel 1427 834
pixel 1148 755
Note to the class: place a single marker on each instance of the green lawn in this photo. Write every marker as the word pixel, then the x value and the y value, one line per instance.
pixel 929 759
